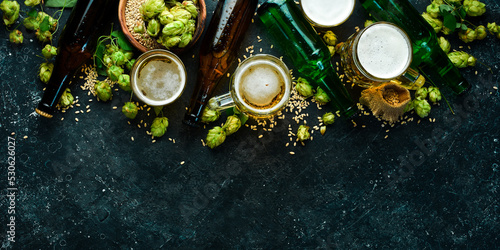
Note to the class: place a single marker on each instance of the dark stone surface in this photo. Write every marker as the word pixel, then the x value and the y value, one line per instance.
pixel 88 185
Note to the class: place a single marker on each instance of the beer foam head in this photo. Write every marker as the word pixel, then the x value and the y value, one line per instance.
pixel 327 13
pixel 261 85
pixel 384 51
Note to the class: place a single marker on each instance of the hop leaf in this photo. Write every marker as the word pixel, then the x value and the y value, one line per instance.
pixel 159 126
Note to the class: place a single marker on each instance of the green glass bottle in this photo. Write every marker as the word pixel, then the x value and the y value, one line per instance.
pixel 304 47
pixel 427 55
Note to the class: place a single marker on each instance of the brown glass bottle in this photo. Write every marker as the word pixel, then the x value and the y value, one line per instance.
pixel 76 45
pixel 218 50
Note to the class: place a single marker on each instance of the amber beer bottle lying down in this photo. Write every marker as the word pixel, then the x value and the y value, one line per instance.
pixel 75 46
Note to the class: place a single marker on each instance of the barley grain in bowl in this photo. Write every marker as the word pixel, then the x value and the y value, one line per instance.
pixel 158 24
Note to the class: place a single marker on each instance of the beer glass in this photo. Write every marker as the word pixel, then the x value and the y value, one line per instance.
pixel 260 87
pixel 327 13
pixel 380 53
pixel 158 77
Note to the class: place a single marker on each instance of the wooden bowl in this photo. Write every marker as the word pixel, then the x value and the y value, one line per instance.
pixel 200 25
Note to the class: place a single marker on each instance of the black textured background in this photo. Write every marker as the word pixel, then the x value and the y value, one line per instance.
pixel 88 185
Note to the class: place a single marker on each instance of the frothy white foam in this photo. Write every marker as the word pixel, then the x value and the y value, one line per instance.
pixel 328 12
pixel 261 83
pixel 160 80
pixel 384 51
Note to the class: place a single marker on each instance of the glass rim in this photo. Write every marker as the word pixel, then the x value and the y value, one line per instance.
pixel 323 26
pixel 146 57
pixel 266 112
pixel 355 51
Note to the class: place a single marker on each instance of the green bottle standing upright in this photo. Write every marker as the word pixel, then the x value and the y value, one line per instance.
pixel 427 55
pixel 309 54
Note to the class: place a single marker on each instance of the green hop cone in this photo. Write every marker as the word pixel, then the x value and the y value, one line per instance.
pixel 110 49
pixel 153 28
pixel 422 107
pixel 10 11
pixel 474 7
pixel 328 118
pixel 304 88
pixel 186 38
pixel 174 28
pixel 44 17
pixel 421 93
pixel 151 8
pixel 446 31
pixel 114 72
pixel 139 28
pixel 165 17
pixel 45 71
pixel 303 133
pixel 49 51
pixel 481 32
pixel 16 36
pixel 433 9
pixel 118 58
pixel 180 13
pixel 124 82
pixel 321 97
pixel 66 99
pixel 130 110
pixel 215 137
pixel 330 38
pixel 209 115
pixel 171 42
pixel 159 126
pixel 43 36
pixel 368 22
pixel 190 26
pixel 493 28
pixel 468 35
pixel 233 123
pixel 434 94
pixel 462 59
pixel 129 64
pixel 128 55
pixel 103 91
pixel 444 44
pixel 191 7
pixel 435 23
pixel 31 23
pixel 31 3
